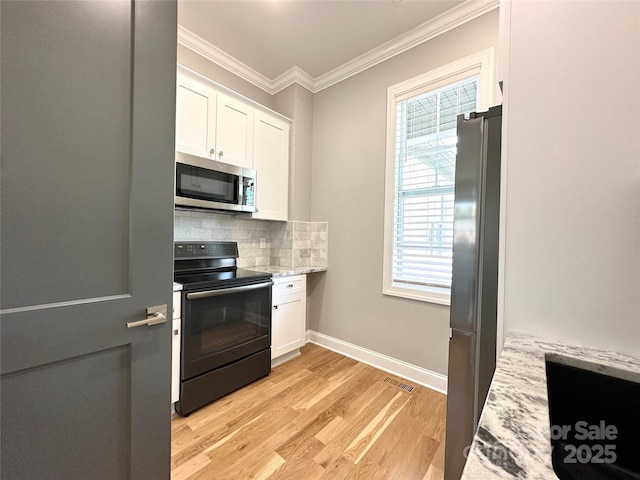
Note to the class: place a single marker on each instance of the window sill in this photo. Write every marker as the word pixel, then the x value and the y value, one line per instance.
pixel 429 295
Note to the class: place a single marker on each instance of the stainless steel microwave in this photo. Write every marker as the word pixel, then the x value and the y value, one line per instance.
pixel 203 183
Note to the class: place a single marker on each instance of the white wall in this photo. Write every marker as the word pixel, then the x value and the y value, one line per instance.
pixel 572 98
pixel 349 125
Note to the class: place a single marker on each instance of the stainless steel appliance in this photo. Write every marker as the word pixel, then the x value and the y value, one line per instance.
pixel 203 183
pixel 472 346
pixel 226 323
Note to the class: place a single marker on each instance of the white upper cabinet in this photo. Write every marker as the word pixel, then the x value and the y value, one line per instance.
pixel 271 161
pixel 234 131
pixel 195 117
pixel 214 122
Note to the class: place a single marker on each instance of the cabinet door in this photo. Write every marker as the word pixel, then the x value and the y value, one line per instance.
pixel 288 325
pixel 195 117
pixel 234 132
pixel 271 161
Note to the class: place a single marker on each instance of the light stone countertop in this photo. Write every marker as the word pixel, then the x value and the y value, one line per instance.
pixel 288 271
pixel 513 434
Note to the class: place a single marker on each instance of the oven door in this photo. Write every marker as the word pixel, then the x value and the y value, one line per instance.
pixel 220 326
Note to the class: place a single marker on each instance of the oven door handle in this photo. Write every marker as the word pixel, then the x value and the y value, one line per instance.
pixel 225 291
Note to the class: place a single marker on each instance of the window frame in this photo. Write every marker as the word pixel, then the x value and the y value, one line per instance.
pixel 480 64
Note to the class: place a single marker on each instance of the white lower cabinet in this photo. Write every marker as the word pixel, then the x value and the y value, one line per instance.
pixel 175 349
pixel 289 314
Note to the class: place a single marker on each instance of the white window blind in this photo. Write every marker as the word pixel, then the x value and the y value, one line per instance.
pixel 425 152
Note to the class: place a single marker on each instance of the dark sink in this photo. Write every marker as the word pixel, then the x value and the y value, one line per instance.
pixel 595 420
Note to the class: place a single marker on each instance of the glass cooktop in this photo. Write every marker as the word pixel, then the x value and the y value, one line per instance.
pixel 220 279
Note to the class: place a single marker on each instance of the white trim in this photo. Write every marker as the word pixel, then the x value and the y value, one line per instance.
pixel 421 376
pixel 193 42
pixel 443 23
pixel 431 295
pixel 291 76
pixel 503 75
pixel 481 64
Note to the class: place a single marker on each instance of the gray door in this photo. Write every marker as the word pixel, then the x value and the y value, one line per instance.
pixel 87 140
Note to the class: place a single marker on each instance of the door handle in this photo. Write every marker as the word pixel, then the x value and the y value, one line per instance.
pixel 155 316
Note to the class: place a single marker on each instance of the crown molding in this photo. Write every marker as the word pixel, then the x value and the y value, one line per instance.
pixel 193 42
pixel 294 75
pixel 443 23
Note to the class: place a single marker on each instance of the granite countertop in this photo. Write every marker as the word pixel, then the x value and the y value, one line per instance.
pixel 513 434
pixel 288 271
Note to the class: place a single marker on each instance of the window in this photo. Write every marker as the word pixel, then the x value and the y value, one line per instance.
pixel 421 150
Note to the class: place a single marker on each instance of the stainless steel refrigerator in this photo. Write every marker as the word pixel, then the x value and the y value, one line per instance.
pixel 474 286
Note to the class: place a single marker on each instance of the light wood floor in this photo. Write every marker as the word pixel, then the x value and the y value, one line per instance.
pixel 319 416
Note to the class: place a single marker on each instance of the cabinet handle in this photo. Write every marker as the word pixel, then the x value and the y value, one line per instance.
pixel 275 307
pixel 176 332
pixel 212 152
pixel 290 285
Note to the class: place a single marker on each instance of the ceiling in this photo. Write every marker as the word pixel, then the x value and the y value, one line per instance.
pixel 317 36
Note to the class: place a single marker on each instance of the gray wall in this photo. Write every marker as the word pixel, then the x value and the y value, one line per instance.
pixel 572 263
pixel 349 125
pixel 296 102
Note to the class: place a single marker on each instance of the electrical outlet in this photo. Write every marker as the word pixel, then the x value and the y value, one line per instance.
pixel 263 243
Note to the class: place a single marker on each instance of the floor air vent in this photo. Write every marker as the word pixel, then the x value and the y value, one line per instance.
pixel 400 385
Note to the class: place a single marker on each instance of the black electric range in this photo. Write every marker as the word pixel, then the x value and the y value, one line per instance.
pixel 226 322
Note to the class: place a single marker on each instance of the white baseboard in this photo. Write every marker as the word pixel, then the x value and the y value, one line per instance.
pixel 421 376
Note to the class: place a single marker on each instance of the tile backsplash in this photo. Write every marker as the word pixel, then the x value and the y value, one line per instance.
pixel 286 244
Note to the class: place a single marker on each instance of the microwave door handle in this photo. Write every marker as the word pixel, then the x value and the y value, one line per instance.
pixel 240 187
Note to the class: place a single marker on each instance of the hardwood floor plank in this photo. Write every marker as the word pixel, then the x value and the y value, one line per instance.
pixel 366 469
pixel 188 445
pixel 318 416
pixel 421 457
pixel 254 461
pixel 300 463
pixel 269 468
pixel 331 452
pixel 244 402
pixel 391 451
pixel 429 406
pixel 338 400
pixel 339 469
pixel 372 431
pixel 193 465
pixel 250 435
pixel 331 430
